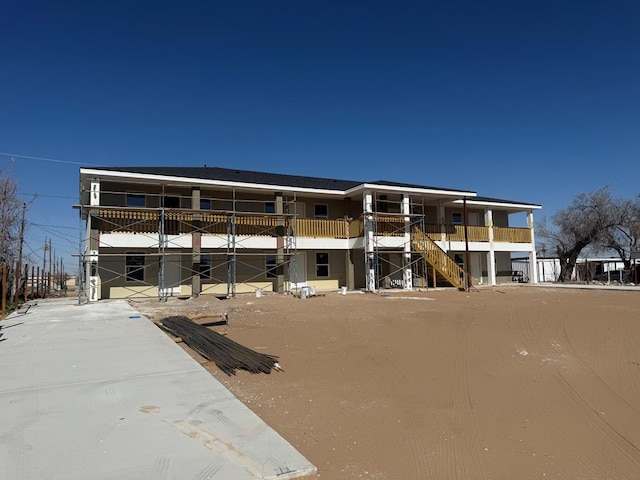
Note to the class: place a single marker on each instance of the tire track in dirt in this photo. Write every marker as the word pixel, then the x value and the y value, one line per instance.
pixel 582 373
pixel 626 371
pixel 454 450
pixel 580 384
pixel 415 443
pixel 553 421
pixel 461 446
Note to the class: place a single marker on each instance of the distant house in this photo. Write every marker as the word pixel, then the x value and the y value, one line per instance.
pixel 586 269
pixel 182 231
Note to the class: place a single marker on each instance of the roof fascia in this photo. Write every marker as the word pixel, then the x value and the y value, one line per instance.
pixel 519 206
pixel 203 181
pixel 400 189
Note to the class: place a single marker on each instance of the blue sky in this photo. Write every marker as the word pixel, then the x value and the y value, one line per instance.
pixel 530 101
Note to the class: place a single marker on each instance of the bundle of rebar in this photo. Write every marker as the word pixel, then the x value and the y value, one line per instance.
pixel 228 355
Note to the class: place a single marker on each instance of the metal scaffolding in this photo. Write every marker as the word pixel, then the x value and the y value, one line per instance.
pixel 381 215
pixel 172 221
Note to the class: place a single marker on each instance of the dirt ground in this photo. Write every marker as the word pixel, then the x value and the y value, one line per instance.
pixel 500 383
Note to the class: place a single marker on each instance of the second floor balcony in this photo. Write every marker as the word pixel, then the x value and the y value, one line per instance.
pixel 147 221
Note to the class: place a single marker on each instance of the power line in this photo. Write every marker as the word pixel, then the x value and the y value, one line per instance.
pixel 72 241
pixel 54 226
pixel 54 160
pixel 48 196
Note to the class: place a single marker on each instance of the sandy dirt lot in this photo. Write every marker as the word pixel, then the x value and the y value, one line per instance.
pixel 502 383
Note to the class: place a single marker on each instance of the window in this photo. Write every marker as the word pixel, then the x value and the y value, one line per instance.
pixel 271 264
pixel 206 264
pixel 383 204
pixel 205 204
pixel 321 210
pixel 172 202
pixel 456 218
pixel 269 207
pixel 135 200
pixel 322 264
pixel 135 267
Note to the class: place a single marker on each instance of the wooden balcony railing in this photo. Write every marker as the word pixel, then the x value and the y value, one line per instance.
pixel 474 233
pixel 478 233
pixel 320 228
pixel 513 235
pixel 390 226
pixel 126 221
pixel 356 228
pixel 182 223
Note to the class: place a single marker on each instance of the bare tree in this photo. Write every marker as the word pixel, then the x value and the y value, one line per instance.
pixel 10 211
pixel 585 222
pixel 623 237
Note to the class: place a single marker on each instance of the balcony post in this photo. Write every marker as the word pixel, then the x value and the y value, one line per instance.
pixel 491 256
pixel 350 272
pixel 370 261
pixel 93 234
pixel 533 267
pixel 196 237
pixel 280 238
pixel 406 210
pixel 440 218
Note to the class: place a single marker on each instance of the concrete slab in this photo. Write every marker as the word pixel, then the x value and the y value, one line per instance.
pixel 88 392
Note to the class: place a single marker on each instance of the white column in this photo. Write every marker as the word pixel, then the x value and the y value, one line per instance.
pixel 533 262
pixel 92 276
pixel 406 210
pixel 94 194
pixel 491 256
pixel 370 272
pixel 440 218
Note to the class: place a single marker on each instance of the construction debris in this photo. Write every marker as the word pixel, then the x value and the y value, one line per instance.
pixel 228 355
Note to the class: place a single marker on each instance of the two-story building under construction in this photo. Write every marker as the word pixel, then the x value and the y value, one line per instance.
pixel 187 231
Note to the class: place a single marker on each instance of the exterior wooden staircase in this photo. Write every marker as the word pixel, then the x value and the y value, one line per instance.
pixel 438 259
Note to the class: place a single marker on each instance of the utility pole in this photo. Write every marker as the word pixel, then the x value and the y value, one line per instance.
pixel 19 265
pixel 50 264
pixel 44 267
pixel 26 281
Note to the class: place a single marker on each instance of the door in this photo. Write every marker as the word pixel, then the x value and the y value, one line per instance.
pixel 474 219
pixel 297 271
pixel 172 275
pixel 476 267
pixel 298 209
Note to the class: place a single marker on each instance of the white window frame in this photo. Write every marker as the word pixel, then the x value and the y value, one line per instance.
pixel 315 211
pixel 206 267
pixel 136 268
pixel 270 266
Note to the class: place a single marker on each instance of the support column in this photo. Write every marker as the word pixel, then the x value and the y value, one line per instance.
pixel 369 267
pixel 442 221
pixel 280 240
pixel 93 244
pixel 533 267
pixel 407 272
pixel 196 244
pixel 491 256
pixel 348 260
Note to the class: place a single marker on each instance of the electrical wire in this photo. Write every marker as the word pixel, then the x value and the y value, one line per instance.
pixel 53 160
